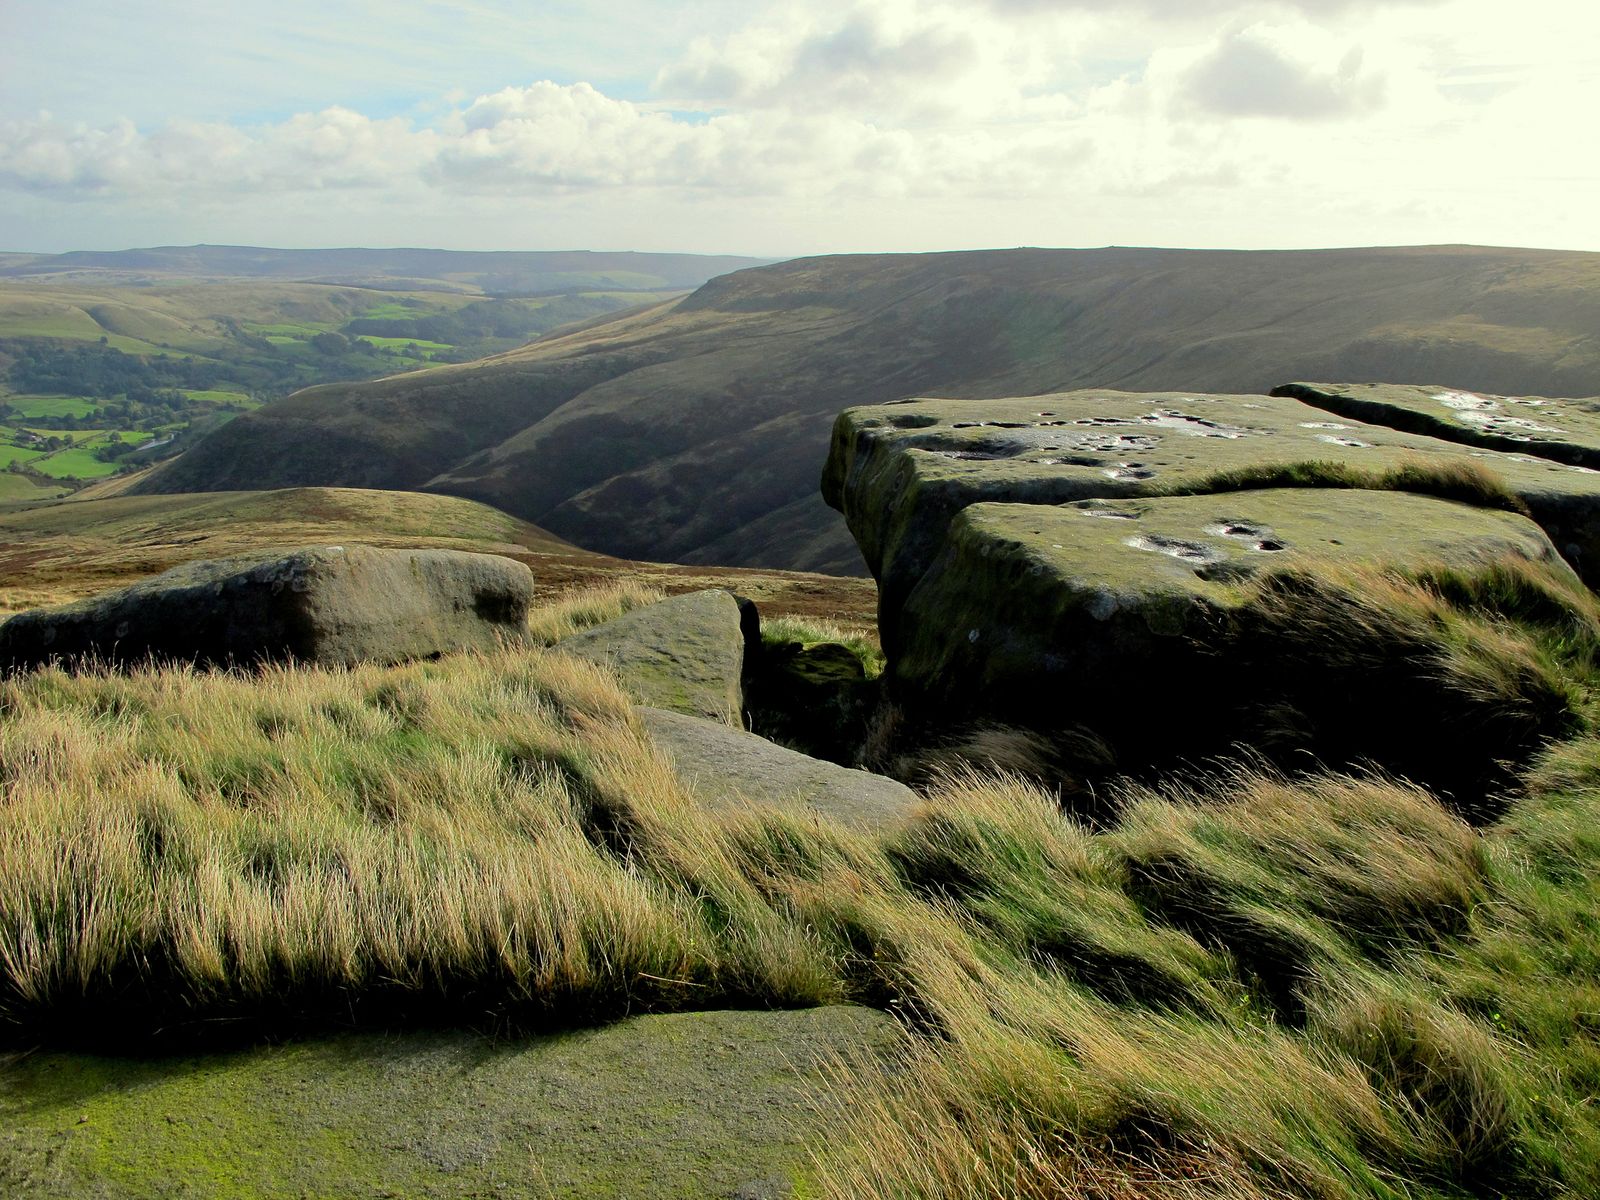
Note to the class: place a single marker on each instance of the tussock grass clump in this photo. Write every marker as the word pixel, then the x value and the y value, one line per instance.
pixel 1045 888
pixel 1436 673
pixel 1288 876
pixel 1451 479
pixel 585 607
pixel 180 847
pixel 1445 1079
pixel 1386 1083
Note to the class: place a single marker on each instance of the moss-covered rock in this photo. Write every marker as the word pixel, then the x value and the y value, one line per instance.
pixel 685 654
pixel 686 1105
pixel 815 697
pixel 330 605
pixel 1152 623
pixel 1567 431
pixel 901 472
pixel 729 769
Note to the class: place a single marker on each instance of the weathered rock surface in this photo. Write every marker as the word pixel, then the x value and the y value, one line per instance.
pixel 1567 431
pixel 813 697
pixel 729 769
pixel 689 1105
pixel 331 605
pixel 1134 618
pixel 1034 607
pixel 901 472
pixel 686 653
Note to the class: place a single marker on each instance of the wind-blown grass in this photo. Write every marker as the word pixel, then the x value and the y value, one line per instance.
pixel 1396 1074
pixel 184 847
pixel 584 608
pixel 1248 987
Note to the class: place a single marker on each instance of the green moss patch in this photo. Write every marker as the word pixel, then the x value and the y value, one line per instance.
pixel 684 1105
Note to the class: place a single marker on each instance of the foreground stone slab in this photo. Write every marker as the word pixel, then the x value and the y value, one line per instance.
pixel 729 769
pixel 713 1104
pixel 1567 431
pixel 901 472
pixel 330 605
pixel 1137 619
pixel 685 654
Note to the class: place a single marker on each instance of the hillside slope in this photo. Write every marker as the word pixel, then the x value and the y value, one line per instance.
pixel 695 430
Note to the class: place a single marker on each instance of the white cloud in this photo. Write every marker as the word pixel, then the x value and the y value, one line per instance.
pixel 911 61
pixel 878 123
pixel 1189 10
pixel 565 136
pixel 1252 73
pixel 335 148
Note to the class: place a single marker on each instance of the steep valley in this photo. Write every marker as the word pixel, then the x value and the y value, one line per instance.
pixel 692 431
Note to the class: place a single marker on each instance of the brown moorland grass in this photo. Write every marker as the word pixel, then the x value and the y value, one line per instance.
pixel 1325 987
pixel 1391 1081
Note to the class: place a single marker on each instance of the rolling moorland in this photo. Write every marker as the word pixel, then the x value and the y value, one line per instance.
pixel 692 431
pixel 465 926
pixel 111 361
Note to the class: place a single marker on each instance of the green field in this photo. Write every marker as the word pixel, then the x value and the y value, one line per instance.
pixel 52 323
pixel 400 343
pixel 289 329
pixel 10 454
pixel 76 463
pixel 14 487
pixel 50 406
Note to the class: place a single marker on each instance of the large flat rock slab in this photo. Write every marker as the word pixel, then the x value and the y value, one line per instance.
pixel 1137 619
pixel 685 654
pixel 690 1105
pixel 731 770
pixel 1567 431
pixel 901 472
pixel 330 605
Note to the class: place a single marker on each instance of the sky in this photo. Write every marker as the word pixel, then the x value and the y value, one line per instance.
pixel 774 128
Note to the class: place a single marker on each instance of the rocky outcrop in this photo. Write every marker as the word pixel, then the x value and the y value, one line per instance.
pixel 1567 431
pixel 1128 577
pixel 1116 614
pixel 732 770
pixel 901 472
pixel 329 605
pixel 686 653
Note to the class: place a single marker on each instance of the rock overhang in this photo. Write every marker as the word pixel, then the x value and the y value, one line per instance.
pixel 900 472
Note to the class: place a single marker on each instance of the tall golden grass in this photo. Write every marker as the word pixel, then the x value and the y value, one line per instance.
pixel 1249 986
pixel 182 846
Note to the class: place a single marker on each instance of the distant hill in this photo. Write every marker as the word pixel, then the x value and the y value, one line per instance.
pixel 695 430
pixel 497 272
